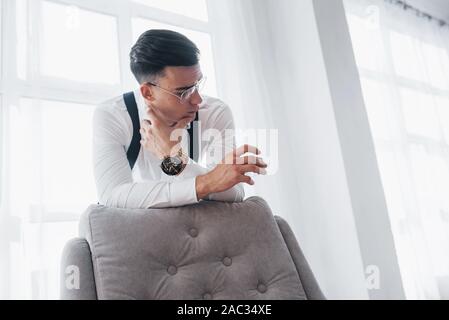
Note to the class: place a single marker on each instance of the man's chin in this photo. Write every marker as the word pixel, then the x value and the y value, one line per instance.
pixel 189 116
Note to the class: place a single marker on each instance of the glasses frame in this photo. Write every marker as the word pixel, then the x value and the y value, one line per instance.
pixel 185 94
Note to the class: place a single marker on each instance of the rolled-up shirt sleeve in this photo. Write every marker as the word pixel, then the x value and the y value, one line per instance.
pixel 113 175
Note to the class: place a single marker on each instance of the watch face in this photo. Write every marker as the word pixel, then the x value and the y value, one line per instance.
pixel 172 166
pixel 176 161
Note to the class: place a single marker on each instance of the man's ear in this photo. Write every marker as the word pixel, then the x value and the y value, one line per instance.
pixel 147 92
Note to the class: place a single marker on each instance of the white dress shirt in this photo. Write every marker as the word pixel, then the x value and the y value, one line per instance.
pixel 146 185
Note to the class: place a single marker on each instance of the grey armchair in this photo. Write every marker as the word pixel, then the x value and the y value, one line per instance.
pixel 210 250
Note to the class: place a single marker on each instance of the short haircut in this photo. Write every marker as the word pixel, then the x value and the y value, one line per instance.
pixel 156 49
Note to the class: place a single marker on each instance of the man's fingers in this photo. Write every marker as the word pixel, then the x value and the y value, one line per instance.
pixel 246 179
pixel 145 128
pixel 153 117
pixel 244 149
pixel 232 156
pixel 145 124
pixel 251 160
pixel 244 168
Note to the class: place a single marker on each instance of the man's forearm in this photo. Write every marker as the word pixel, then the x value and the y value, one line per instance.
pixel 206 189
pixel 202 187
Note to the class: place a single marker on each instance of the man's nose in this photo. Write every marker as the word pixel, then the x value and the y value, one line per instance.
pixel 196 98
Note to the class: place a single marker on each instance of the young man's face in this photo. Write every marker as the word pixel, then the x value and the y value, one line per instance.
pixel 168 107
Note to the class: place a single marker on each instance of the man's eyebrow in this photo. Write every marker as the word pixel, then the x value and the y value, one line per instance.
pixel 188 87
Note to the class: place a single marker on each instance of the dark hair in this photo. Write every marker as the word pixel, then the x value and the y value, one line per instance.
pixel 156 49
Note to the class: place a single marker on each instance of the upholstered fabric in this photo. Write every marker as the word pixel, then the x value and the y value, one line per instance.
pixel 210 250
pixel 77 276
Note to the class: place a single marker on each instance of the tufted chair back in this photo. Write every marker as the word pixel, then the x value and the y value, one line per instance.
pixel 211 250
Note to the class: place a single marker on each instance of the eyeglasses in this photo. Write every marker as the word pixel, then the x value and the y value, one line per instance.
pixel 184 95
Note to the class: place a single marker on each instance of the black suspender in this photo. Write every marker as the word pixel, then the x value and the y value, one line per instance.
pixel 134 147
pixel 193 142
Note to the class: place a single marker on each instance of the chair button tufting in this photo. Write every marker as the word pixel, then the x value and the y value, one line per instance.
pixel 227 261
pixel 262 288
pixel 207 296
pixel 193 232
pixel 172 270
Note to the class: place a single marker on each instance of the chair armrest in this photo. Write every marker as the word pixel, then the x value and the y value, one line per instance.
pixel 310 285
pixel 77 281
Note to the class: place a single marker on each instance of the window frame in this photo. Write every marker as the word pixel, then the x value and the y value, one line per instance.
pixel 41 87
pixel 38 87
pixel 407 139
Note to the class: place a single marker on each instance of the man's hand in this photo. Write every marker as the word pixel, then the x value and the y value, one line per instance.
pixel 230 172
pixel 156 135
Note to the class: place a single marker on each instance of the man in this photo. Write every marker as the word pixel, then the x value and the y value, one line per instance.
pixel 154 169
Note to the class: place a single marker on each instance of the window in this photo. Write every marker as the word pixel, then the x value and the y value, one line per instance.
pixel 403 62
pixel 67 57
pixel 22 17
pixel 193 8
pixel 79 44
pixel 66 161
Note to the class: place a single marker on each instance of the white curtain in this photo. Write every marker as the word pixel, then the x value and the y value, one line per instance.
pixel 61 59
pixel 269 68
pixel 246 80
pixel 262 72
pixel 403 61
pixel 272 74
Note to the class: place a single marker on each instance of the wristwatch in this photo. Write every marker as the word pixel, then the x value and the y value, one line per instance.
pixel 173 166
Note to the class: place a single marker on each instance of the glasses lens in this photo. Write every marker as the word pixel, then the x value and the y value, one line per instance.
pixel 201 84
pixel 188 93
